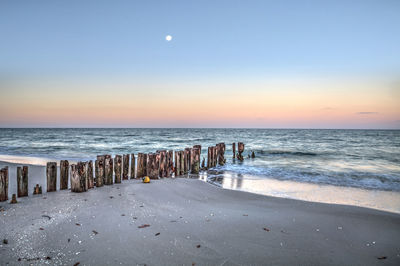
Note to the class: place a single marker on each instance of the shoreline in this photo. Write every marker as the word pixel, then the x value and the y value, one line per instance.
pixel 382 200
pixel 186 221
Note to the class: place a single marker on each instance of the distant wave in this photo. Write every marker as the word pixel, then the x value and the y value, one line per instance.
pixel 280 152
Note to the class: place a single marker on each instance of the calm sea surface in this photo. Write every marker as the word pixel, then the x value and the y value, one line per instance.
pixel 368 159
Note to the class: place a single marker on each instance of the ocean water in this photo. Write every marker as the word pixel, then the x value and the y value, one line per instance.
pixel 366 159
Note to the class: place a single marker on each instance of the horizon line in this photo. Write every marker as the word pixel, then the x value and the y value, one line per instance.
pixel 271 128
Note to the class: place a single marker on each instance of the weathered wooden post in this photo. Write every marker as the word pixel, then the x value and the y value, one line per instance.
pixel 117 168
pixel 90 174
pixel 152 167
pixel 37 190
pixel 182 164
pixel 100 171
pixel 133 166
pixel 22 181
pixel 240 151
pixel 141 165
pixel 51 173
pixel 170 163
pixel 198 147
pixel 158 160
pixel 221 153
pixel 78 177
pixel 125 166
pixel 195 160
pixel 209 157
pixel 217 146
pixel 64 174
pixel 85 165
pixel 186 166
pixel 234 150
pixel 96 171
pixel 192 155
pixel 177 163
pixel 215 155
pixel 163 164
pixel 240 147
pixel 4 184
pixel 212 155
pixel 108 172
pixel 203 164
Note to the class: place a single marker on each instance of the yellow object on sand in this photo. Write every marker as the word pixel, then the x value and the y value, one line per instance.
pixel 146 179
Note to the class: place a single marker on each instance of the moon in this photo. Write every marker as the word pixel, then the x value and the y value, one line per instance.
pixel 168 38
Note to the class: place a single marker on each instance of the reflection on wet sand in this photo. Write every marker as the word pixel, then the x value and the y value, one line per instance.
pixel 376 199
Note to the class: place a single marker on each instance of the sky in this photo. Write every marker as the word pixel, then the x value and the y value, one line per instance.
pixel 263 64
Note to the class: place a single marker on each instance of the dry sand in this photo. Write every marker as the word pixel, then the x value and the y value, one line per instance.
pixel 190 222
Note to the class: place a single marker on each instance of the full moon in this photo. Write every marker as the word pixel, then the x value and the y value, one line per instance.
pixel 168 37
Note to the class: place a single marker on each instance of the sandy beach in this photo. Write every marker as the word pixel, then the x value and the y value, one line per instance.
pixel 185 221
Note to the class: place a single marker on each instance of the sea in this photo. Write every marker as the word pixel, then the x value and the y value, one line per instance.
pixel 306 164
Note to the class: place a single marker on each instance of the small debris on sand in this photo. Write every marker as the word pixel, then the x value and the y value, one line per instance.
pixel 69 240
pixel 111 197
pixel 78 224
pixel 13 199
pixel 266 229
pixel 76 264
pixel 95 232
pixel 41 228
pixel 46 216
pixel 143 226
pixel 5 241
pixel 382 258
pixel 245 215
pixel 198 246
pixel 122 214
pixel 134 218
pixel 157 234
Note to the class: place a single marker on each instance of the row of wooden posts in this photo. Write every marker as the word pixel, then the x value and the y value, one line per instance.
pixel 108 170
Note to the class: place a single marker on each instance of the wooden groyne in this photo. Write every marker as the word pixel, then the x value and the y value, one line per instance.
pixel 133 166
pixel 4 184
pixel 125 166
pixel 108 170
pixel 51 173
pixel 117 168
pixel 64 173
pixel 22 181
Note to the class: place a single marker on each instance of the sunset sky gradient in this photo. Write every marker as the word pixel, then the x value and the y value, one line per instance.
pixel 264 64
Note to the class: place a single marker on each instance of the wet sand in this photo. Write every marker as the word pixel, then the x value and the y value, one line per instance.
pixel 190 221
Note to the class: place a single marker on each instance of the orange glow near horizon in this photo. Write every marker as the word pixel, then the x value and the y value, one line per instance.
pixel 296 103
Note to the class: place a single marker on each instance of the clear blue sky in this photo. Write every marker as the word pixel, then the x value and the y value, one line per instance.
pixel 94 37
pixel 212 40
